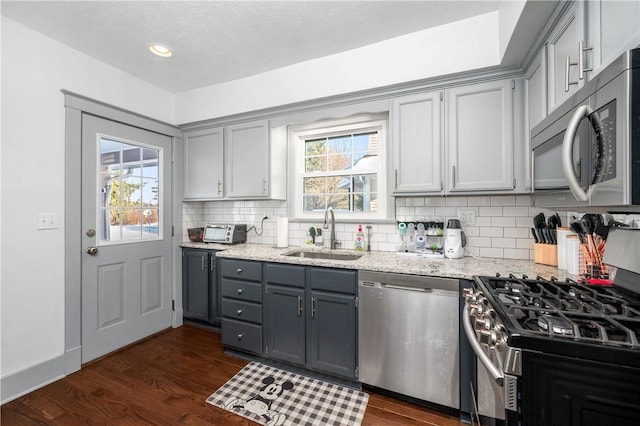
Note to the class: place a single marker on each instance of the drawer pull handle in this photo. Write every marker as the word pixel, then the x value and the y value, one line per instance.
pixel 239 270
pixel 239 312
pixel 313 307
pixel 240 291
pixel 299 306
pixel 240 336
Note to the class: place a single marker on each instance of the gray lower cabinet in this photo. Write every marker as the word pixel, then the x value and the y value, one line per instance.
pixel 241 288
pixel 311 317
pixel 200 296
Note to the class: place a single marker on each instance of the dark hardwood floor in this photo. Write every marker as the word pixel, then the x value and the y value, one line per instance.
pixel 164 380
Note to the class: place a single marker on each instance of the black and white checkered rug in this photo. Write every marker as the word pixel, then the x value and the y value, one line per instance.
pixel 275 397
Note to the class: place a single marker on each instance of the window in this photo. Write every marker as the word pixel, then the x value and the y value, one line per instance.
pixel 128 195
pixel 339 164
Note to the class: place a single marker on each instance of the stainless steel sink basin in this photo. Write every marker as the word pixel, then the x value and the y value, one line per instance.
pixel 323 255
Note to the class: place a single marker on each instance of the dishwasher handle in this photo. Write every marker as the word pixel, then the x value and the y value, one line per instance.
pixel 403 287
pixel 493 371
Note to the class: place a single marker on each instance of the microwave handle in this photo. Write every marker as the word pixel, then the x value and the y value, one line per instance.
pixel 567 153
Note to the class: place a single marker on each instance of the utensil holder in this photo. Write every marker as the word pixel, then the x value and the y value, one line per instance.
pixel 546 254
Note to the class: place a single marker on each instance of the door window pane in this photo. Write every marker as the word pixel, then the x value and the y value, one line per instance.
pixel 129 191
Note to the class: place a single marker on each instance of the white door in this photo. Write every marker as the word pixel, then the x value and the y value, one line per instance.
pixel 126 232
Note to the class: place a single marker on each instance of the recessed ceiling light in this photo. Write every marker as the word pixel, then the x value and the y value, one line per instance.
pixel 160 50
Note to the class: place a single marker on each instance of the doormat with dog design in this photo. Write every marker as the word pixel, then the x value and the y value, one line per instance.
pixel 275 397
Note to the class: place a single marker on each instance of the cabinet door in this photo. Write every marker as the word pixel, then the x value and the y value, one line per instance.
pixel 481 137
pixel 247 160
pixel 417 142
pixel 203 172
pixel 331 334
pixel 535 87
pixel 562 44
pixel 612 28
pixel 195 284
pixel 285 324
pixel 215 297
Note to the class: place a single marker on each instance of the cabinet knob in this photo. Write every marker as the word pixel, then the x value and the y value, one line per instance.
pixel 239 312
pixel 240 291
pixel 239 270
pixel 240 336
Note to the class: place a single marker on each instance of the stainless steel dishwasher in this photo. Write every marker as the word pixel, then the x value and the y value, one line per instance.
pixel 409 335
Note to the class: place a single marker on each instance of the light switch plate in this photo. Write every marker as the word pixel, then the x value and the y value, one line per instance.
pixel 47 221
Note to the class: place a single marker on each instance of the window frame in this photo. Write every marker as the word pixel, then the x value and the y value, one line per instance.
pixel 362 123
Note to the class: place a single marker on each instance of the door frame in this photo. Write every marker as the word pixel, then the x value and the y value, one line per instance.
pixel 75 106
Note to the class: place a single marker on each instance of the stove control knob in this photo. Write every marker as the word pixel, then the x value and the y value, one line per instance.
pixel 468 292
pixel 477 308
pixel 486 323
pixel 488 337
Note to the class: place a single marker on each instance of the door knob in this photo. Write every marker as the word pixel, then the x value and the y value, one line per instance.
pixel 92 250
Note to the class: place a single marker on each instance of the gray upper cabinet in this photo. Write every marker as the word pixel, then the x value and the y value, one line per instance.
pixel 417 143
pixel 247 157
pixel 535 95
pixel 562 64
pixel 588 36
pixel 612 27
pixel 481 137
pixel 203 164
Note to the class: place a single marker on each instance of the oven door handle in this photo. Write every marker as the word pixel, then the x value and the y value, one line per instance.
pixel 493 371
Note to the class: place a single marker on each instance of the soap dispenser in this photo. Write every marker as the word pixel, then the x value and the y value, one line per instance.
pixel 359 243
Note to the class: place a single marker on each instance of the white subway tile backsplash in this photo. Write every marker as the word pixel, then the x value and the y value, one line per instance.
pixel 491 232
pixel 503 200
pixel 502 227
pixel 516 232
pixel 503 242
pixel 503 221
pixel 456 202
pixel 490 211
pixel 515 211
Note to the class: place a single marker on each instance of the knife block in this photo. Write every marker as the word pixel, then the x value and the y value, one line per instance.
pixel 546 254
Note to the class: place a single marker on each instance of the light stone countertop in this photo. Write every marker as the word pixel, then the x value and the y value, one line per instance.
pixel 380 261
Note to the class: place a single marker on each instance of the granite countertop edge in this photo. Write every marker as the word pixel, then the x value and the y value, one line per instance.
pixel 379 261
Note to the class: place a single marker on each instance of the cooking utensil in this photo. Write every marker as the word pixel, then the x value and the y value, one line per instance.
pixel 535 236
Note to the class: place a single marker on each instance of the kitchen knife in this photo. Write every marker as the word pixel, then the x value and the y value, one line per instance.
pixel 535 237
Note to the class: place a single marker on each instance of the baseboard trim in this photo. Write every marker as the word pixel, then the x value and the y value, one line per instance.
pixel 73 360
pixel 22 382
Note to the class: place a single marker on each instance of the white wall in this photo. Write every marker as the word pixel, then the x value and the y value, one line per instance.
pixel 465 45
pixel 34 70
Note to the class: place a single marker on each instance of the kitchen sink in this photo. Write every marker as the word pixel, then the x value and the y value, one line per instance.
pixel 323 255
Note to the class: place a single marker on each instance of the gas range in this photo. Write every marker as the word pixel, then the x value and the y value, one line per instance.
pixel 546 346
pixel 570 318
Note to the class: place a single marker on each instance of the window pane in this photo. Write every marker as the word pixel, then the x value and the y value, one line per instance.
pixel 128 191
pixel 339 202
pixel 149 192
pixel 314 202
pixel 315 185
pixel 315 164
pixel 338 184
pixel 340 144
pixel 338 162
pixel 315 147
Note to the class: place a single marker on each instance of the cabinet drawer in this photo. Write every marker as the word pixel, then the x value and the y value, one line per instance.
pixel 244 311
pixel 337 280
pixel 285 275
pixel 241 269
pixel 242 335
pixel 242 290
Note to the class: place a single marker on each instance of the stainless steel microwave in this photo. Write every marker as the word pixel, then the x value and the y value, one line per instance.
pixel 225 234
pixel 586 153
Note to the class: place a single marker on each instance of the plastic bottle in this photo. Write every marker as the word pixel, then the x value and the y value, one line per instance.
pixel 359 243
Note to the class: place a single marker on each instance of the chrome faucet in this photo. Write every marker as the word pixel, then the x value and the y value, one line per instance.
pixel 332 238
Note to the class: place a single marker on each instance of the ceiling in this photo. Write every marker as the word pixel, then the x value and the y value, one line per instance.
pixel 219 41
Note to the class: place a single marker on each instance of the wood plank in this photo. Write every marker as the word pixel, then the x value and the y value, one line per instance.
pixel 165 380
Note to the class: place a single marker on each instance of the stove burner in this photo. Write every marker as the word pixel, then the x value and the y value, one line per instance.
pixel 583 313
pixel 556 325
